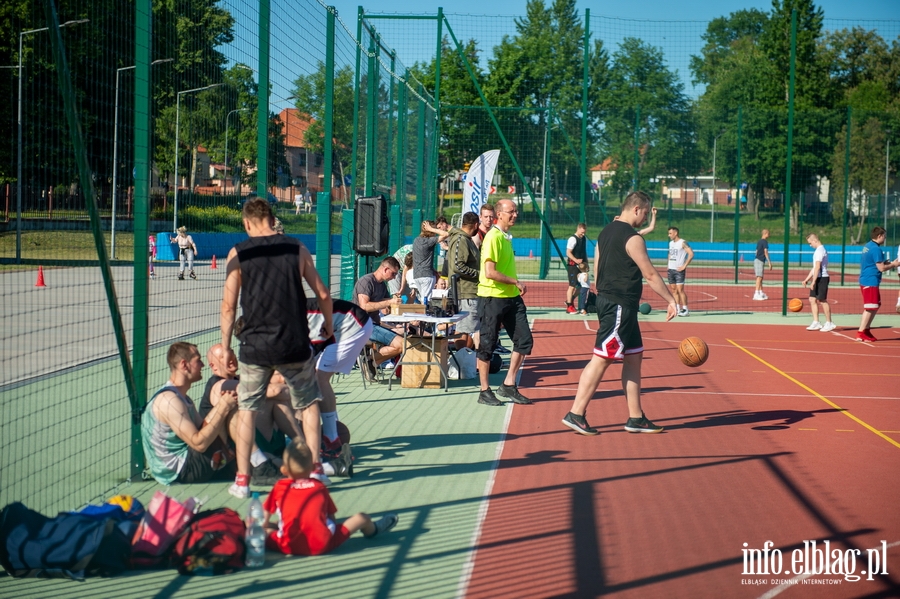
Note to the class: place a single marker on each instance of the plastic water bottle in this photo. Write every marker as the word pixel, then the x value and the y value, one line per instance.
pixel 255 537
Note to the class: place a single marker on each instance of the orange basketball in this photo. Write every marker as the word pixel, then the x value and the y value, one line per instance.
pixel 795 305
pixel 693 351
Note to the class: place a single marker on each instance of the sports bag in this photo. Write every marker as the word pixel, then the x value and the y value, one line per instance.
pixel 212 544
pixel 163 522
pixel 68 546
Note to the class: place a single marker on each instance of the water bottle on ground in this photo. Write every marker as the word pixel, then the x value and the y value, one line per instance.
pixel 255 538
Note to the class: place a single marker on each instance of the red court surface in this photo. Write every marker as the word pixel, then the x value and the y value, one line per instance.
pixel 703 297
pixel 784 435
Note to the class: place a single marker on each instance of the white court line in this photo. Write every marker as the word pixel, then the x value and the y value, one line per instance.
pixel 466 576
pixel 714 393
pixel 775 591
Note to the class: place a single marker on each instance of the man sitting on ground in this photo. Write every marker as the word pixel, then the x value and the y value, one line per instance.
pixel 372 295
pixel 180 446
pixel 274 421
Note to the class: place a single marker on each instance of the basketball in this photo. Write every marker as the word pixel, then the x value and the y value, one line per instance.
pixel 693 351
pixel 645 308
pixel 795 305
pixel 343 432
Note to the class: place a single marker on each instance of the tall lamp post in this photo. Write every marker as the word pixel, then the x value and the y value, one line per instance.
pixel 19 150
pixel 226 143
pixel 115 171
pixel 177 122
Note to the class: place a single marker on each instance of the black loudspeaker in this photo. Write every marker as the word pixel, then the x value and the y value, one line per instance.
pixel 372 226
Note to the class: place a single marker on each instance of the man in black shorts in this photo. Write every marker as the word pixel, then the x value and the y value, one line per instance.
pixel 576 252
pixel 620 259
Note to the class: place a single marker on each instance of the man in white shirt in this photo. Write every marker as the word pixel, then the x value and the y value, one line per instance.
pixel 680 255
pixel 818 293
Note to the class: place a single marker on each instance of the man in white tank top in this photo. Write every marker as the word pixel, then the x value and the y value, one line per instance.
pixel 680 255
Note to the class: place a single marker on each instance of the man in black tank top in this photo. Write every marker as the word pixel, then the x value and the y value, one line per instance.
pixel 267 272
pixel 620 259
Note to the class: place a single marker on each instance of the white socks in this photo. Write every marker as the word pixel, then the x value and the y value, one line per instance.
pixel 257 457
pixel 329 425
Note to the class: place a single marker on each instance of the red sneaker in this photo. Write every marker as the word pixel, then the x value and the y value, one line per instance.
pixel 570 309
pixel 865 336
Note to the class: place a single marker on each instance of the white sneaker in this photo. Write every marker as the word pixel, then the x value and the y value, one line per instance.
pixel 758 297
pixel 815 326
pixel 684 312
pixel 763 296
pixel 239 491
pixel 828 326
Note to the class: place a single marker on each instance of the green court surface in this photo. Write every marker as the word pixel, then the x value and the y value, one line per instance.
pixel 428 455
pixel 424 454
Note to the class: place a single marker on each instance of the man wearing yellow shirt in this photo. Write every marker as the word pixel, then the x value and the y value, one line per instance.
pixel 500 292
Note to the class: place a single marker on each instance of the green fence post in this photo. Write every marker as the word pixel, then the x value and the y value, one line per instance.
pixel 372 117
pixel 323 237
pixel 420 164
pixel 354 174
pixel 262 102
pixel 548 203
pixel 142 160
pixel 846 191
pixel 348 256
pixel 396 238
pixel 789 165
pixel 402 110
pixel 740 189
pixel 431 179
pixel 582 217
pixel 323 204
pixel 389 143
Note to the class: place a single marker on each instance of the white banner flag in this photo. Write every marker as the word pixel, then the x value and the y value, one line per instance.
pixel 477 187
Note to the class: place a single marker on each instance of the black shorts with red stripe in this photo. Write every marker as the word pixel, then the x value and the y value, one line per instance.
pixel 619 332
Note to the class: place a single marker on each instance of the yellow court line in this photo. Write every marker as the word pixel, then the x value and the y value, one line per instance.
pixel 819 395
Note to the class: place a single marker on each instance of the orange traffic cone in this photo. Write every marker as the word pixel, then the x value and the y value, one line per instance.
pixel 213 265
pixel 40 279
pixel 742 257
pixel 531 254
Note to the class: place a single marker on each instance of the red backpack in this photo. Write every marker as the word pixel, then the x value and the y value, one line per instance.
pixel 212 544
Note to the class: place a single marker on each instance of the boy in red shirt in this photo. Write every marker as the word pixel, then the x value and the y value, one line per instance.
pixel 305 511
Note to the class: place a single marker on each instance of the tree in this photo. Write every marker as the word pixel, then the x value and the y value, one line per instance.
pixel 868 139
pixel 639 77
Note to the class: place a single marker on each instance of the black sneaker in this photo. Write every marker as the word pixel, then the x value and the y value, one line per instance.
pixel 488 398
pixel 370 372
pixel 343 464
pixel 511 392
pixel 181 276
pixel 384 524
pixel 193 276
pixel 499 349
pixel 579 424
pixel 641 425
pixel 266 474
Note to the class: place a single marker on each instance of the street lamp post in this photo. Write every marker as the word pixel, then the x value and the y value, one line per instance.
pixel 115 171
pixel 19 149
pixel 177 122
pixel 226 143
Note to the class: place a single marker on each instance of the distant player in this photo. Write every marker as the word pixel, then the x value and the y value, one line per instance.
pixel 759 264
pixel 818 293
pixel 872 264
pixel 152 241
pixel 680 255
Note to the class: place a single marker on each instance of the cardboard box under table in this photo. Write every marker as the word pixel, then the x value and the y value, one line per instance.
pixel 422 367
pixel 424 359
